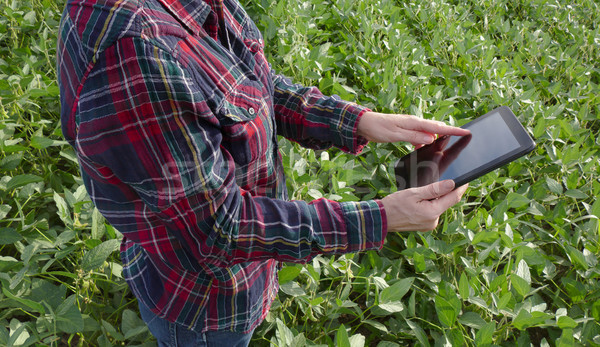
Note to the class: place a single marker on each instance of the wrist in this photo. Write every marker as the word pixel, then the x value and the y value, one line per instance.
pixel 360 140
pixel 384 223
pixel 363 123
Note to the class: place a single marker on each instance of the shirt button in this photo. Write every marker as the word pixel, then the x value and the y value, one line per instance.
pixel 251 111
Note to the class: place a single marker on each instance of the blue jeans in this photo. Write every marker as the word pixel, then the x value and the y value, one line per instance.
pixel 170 334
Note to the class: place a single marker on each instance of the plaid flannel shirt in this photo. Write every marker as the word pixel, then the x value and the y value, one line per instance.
pixel 174 114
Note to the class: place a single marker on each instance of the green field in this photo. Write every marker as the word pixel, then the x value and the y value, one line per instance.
pixel 515 263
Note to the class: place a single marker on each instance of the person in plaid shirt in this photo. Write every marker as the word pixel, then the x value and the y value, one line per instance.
pixel 174 113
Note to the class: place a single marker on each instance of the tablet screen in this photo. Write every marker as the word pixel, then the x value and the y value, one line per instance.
pixel 494 141
pixel 488 140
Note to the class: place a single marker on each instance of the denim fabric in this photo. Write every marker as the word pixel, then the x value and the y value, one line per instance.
pixel 170 334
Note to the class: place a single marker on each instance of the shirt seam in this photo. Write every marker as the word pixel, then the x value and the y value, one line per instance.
pixel 92 63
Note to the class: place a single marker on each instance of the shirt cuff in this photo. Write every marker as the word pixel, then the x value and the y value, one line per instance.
pixel 366 225
pixel 347 128
pixel 359 141
pixel 384 225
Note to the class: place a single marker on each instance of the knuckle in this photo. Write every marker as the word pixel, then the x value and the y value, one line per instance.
pixel 430 190
pixel 413 194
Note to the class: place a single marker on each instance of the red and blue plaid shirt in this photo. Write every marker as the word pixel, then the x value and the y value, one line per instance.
pixel 174 114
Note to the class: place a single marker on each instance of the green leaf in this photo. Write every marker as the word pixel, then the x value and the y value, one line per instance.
pixel 576 290
pixel 486 252
pixel 464 289
pixel 18 333
pixel 577 258
pixel 289 273
pixel 472 319
pixel 412 304
pixel 475 88
pixel 4 209
pixel 500 211
pixel 455 337
pixel 412 243
pixel 98 228
pixel 374 258
pixel 68 317
pixel 63 209
pixel 11 162
pixel 21 180
pixel 396 292
pixel 65 237
pixel 283 333
pixel 8 263
pixel 41 142
pixel 357 340
pixel 596 310
pixel 341 337
pixel 566 322
pixel 576 194
pixel 595 210
pixel 446 312
pixel 516 200
pixel 499 281
pixel 377 325
pixel 132 325
pixel 316 301
pixel 420 264
pixel 523 271
pixel 9 236
pixel 485 236
pixel 35 306
pixel 520 285
pixel 392 306
pixel 554 186
pixel 292 289
pixel 504 300
pixel 42 290
pixel 15 148
pixel 299 341
pixel 419 333
pixel 567 339
pixel 112 331
pixel 484 336
pixel 95 257
pixel 521 279
pixel 522 320
pixel 390 344
pixel 69 154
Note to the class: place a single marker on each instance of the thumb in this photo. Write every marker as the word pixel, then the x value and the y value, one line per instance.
pixel 436 190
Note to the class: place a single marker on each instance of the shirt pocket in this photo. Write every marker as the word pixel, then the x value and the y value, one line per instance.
pixel 245 125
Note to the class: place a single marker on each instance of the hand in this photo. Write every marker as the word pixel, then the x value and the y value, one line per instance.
pixel 419 209
pixel 381 127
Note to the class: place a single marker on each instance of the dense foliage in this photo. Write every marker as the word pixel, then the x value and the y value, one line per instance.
pixel 516 263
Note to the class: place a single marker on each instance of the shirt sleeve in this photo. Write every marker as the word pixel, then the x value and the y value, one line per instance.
pixel 306 116
pixel 154 163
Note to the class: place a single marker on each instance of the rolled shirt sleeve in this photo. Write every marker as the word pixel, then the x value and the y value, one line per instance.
pixel 306 116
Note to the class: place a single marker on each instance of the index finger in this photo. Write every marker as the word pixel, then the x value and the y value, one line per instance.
pixel 434 127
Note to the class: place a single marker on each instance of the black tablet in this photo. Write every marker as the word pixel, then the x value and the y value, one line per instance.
pixel 496 139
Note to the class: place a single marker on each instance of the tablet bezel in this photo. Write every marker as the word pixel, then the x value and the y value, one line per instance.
pixel 526 145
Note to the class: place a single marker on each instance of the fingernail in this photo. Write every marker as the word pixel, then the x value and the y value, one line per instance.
pixel 427 138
